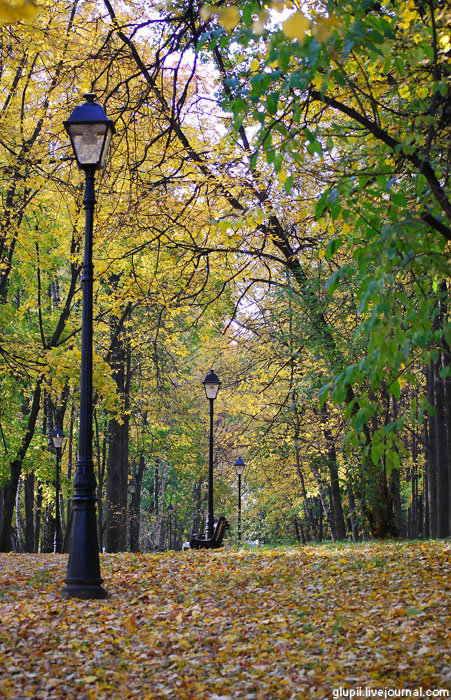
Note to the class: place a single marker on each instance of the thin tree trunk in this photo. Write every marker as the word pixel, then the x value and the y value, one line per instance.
pixel 10 488
pixel 29 513
pixel 20 528
pixel 135 507
pixel 37 521
pixel 431 457
pixel 323 500
pixel 307 509
pixel 336 503
pixel 352 512
pixel 441 454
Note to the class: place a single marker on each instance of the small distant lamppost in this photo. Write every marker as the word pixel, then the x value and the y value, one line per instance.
pixel 239 469
pixel 57 437
pixel 170 508
pixel 211 384
pixel 90 133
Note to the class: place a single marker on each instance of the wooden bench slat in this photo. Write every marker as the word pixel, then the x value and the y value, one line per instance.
pixel 200 542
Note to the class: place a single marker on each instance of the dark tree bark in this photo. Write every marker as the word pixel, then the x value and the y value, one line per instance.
pixel 10 488
pixel 118 440
pixel 336 503
pixel 352 512
pixel 135 507
pixel 307 508
pixel 38 517
pixel 156 487
pixel 337 507
pixel 48 531
pixel 441 454
pixel 399 515
pixel 29 513
pixel 431 455
pixel 117 481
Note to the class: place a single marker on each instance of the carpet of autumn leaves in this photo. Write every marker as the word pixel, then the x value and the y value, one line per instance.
pixel 230 624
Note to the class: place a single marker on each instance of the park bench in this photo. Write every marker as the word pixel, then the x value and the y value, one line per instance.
pixel 200 541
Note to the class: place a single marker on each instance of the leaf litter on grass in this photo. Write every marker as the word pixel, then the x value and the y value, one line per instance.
pixel 289 624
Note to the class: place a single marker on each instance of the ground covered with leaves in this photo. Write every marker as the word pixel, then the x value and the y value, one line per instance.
pixel 232 624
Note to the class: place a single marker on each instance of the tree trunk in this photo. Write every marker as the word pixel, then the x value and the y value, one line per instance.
pixel 307 509
pixel 336 504
pixel 323 500
pixel 135 507
pixel 441 453
pixel 20 527
pixel 431 457
pixel 399 515
pixel 352 512
pixel 37 519
pixel 29 513
pixel 118 442
pixel 117 482
pixel 10 488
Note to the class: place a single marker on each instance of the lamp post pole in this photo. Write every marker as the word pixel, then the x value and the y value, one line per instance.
pixel 211 384
pixel 57 437
pixel 90 132
pixel 239 469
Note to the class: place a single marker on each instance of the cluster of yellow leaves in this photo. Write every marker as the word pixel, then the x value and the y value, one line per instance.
pixel 12 12
pixel 297 26
pixel 228 17
pixel 231 624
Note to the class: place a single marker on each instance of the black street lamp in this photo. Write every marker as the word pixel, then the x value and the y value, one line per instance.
pixel 132 486
pixel 170 508
pixel 211 384
pixel 90 133
pixel 57 437
pixel 239 469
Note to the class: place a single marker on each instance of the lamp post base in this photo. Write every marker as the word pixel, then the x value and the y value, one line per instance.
pixel 83 578
pixel 84 590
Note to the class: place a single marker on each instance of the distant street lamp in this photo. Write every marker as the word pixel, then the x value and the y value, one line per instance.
pixel 57 437
pixel 170 508
pixel 211 384
pixel 239 469
pixel 132 486
pixel 90 133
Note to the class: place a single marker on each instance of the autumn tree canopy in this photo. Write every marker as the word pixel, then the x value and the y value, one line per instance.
pixel 276 205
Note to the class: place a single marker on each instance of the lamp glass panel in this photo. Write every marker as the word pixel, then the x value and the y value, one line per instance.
pixel 106 146
pixel 211 390
pixel 239 468
pixel 58 440
pixel 88 141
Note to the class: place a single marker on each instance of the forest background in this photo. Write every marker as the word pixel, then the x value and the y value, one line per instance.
pixel 276 206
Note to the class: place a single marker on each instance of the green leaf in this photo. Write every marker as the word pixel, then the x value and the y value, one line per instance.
pixel 333 246
pixel 394 389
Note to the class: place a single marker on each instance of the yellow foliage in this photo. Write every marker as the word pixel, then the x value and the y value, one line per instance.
pixel 12 12
pixel 296 26
pixel 408 14
pixel 322 27
pixel 228 17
